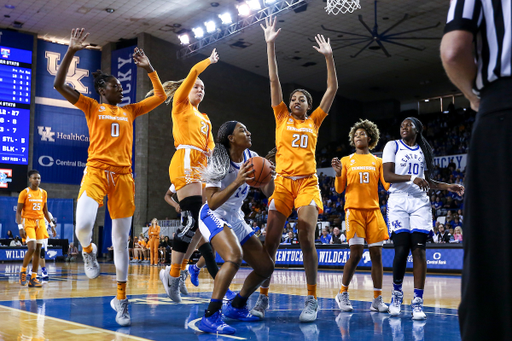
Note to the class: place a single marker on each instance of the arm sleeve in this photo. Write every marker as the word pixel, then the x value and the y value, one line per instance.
pixel 150 103
pixel 85 104
pixel 388 155
pixel 181 94
pixel 318 116
pixel 341 181
pixel 385 184
pixel 280 111
pixel 464 15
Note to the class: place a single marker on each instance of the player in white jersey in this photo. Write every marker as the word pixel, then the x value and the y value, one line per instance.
pixel 407 165
pixel 221 222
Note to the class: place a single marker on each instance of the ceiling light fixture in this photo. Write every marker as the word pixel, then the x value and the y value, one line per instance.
pixel 210 26
pixel 110 10
pixel 198 32
pixel 255 5
pixel 226 18
pixel 244 10
pixel 184 39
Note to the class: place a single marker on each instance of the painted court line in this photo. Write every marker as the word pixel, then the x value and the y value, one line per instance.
pixel 82 326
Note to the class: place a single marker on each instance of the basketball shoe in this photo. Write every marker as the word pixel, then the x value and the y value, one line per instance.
pixel 171 284
pixel 396 303
pixel 260 307
pixel 379 305
pixel 183 278
pixel 241 314
pixel 91 265
pixel 344 301
pixel 194 274
pixel 214 324
pixel 417 309
pixel 310 310
pixel 121 307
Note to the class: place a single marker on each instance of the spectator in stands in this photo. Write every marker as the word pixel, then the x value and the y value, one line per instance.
pixel 337 236
pixel 325 238
pixel 9 235
pixel 456 222
pixel 461 217
pixel 162 250
pixel 457 235
pixel 168 247
pixel 255 226
pixel 290 239
pixel 72 253
pixel 130 247
pixel 137 250
pixel 443 236
pixel 147 250
pixel 16 242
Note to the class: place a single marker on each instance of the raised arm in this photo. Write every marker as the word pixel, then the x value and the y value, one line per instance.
pixel 159 96
pixel 276 93
pixel 76 43
pixel 189 82
pixel 324 47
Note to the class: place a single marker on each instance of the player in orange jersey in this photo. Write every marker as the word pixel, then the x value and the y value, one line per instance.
pixel 358 176
pixel 192 133
pixel 108 171
pixel 31 211
pixel 154 241
pixel 296 184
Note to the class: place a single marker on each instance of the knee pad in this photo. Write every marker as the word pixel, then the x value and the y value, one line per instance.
pixel 190 207
pixel 418 240
pixel 43 253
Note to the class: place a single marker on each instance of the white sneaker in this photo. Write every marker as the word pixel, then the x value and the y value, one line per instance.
pixel 183 278
pixel 260 307
pixel 121 307
pixel 310 310
pixel 417 309
pixel 396 303
pixel 344 302
pixel 91 265
pixel 378 305
pixel 171 284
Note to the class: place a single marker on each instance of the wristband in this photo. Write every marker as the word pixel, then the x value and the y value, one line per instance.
pixel 413 177
pixel 20 226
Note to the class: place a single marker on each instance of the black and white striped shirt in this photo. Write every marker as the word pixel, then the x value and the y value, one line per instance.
pixel 490 22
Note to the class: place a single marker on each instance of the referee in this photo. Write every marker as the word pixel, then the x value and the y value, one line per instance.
pixel 476 54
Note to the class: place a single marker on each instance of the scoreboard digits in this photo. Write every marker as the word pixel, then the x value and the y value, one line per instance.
pixel 15 94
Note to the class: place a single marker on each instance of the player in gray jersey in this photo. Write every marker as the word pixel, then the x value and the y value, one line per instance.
pixel 407 165
pixel 221 222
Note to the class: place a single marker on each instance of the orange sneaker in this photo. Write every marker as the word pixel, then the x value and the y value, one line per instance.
pixel 34 283
pixel 23 278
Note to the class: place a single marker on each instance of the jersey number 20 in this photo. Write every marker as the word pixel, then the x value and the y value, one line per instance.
pixel 300 141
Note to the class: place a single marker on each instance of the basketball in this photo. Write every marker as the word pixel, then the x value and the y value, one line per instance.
pixel 262 172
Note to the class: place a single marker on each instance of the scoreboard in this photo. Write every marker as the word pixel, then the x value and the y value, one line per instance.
pixel 15 95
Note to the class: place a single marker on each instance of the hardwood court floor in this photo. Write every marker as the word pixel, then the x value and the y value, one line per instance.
pixel 72 307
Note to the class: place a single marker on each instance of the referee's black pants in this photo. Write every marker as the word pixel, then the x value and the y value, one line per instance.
pixel 485 312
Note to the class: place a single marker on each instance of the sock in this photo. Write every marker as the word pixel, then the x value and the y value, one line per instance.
pixel 397 287
pixel 239 301
pixel 195 267
pixel 343 289
pixel 418 293
pixel 213 307
pixel 43 269
pixel 34 275
pixel 264 291
pixel 175 270
pixel 88 249
pixel 377 292
pixel 23 269
pixel 184 264
pixel 312 290
pixel 121 290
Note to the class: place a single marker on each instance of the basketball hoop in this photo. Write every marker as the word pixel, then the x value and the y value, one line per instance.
pixel 342 6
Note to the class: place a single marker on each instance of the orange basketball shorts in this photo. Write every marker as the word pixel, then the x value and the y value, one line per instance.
pixel 119 188
pixel 368 224
pixel 185 166
pixel 289 193
pixel 35 229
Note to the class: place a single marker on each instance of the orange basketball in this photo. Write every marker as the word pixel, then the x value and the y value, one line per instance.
pixel 262 172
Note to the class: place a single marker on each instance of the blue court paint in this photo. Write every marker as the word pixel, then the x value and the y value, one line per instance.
pixel 156 317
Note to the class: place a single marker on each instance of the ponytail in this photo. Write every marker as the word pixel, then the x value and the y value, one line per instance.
pixel 170 88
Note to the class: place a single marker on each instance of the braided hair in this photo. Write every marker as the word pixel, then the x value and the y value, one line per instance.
pixel 100 80
pixel 219 163
pixel 428 152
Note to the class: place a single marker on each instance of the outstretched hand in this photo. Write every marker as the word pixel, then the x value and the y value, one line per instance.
pixel 459 189
pixel 214 57
pixel 77 41
pixel 141 60
pixel 324 46
pixel 270 29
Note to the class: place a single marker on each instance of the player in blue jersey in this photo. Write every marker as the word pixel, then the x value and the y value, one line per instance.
pixel 221 222
pixel 407 165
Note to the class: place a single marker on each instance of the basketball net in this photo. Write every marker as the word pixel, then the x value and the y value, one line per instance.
pixel 342 6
